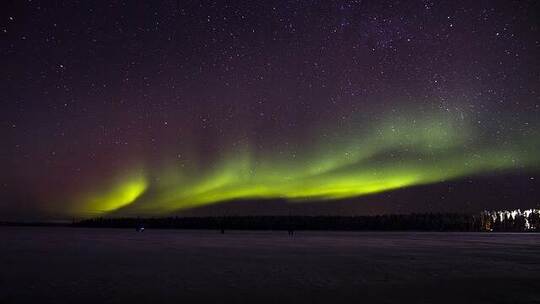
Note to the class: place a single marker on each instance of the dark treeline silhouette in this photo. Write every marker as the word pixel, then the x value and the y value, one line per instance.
pixel 34 224
pixel 498 221
pixel 411 222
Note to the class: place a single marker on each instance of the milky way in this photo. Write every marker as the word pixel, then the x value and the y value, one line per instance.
pixel 153 108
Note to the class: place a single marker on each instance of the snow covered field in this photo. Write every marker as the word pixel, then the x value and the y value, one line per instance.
pixel 75 265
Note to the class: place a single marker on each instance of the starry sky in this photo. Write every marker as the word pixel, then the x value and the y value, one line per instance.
pixel 159 107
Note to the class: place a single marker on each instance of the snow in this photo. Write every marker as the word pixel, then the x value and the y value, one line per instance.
pixel 77 265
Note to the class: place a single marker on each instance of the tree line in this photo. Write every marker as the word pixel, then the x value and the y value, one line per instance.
pixel 496 221
pixel 511 220
pixel 484 221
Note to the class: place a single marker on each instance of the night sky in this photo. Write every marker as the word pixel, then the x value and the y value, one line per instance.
pixel 158 107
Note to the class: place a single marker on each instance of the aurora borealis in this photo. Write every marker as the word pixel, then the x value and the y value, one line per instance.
pixel 151 109
pixel 399 153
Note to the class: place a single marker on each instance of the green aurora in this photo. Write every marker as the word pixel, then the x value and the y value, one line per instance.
pixel 399 152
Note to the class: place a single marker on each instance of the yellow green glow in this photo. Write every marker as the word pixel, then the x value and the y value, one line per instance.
pixel 114 197
pixel 396 153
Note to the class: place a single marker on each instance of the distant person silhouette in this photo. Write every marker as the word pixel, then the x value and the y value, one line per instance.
pixel 139 228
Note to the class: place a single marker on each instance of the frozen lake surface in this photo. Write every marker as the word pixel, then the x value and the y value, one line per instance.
pixel 77 265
